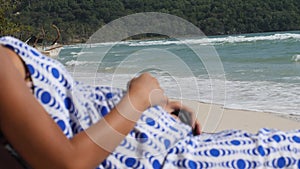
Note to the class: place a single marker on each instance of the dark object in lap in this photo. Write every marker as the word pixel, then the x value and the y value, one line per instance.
pixel 184 117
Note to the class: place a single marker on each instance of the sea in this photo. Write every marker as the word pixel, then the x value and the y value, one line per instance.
pixel 258 72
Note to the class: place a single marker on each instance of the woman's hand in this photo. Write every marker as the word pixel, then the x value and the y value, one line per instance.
pixel 145 91
pixel 176 105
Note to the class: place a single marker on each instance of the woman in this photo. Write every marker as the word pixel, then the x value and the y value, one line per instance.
pixel 121 131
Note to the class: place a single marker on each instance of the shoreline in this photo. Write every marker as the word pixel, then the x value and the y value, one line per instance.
pixel 213 120
pixel 83 40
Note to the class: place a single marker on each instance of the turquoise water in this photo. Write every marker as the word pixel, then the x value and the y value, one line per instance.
pixel 262 71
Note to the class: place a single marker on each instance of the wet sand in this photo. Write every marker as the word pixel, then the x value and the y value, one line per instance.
pixel 214 118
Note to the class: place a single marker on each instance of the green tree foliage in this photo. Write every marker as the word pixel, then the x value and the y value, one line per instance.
pixel 77 20
pixel 7 14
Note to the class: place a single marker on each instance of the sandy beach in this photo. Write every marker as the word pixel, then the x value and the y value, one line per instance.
pixel 214 118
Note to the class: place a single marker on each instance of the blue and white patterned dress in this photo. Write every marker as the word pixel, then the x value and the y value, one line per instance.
pixel 157 141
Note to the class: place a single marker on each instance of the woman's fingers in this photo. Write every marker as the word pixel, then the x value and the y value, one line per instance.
pixel 172 106
pixel 196 128
pixel 195 123
pixel 158 97
pixel 175 117
pixel 145 91
pixel 176 105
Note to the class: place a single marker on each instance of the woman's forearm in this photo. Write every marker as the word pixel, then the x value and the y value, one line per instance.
pixel 104 136
pixel 37 138
pixel 40 141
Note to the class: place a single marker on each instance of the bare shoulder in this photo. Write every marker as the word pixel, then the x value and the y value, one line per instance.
pixel 11 79
pixel 10 60
pixel 5 62
pixel 17 108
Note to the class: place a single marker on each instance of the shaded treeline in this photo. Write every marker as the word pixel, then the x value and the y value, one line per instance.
pixel 78 19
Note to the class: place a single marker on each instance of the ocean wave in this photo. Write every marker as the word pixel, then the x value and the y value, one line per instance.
pixel 77 63
pixel 216 40
pixel 296 58
pixel 200 41
pixel 219 40
pixel 237 39
pixel 80 53
pixel 262 96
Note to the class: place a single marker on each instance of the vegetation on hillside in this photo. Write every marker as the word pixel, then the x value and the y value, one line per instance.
pixel 79 19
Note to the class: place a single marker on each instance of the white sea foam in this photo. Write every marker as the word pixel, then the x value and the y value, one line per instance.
pixel 75 46
pixel 263 96
pixel 77 63
pixel 201 41
pixel 296 58
pixel 152 43
pixel 75 54
pixel 219 40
